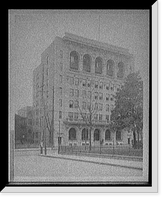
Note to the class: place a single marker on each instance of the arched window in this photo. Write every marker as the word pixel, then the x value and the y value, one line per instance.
pixel 120 73
pixel 107 135
pixel 87 63
pixel 98 65
pixel 110 67
pixel 84 135
pixel 118 135
pixel 74 60
pixel 72 134
pixel 96 135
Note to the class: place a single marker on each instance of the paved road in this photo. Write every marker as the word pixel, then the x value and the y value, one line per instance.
pixel 29 166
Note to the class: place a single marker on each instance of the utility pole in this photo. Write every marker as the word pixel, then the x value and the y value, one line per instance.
pixel 59 139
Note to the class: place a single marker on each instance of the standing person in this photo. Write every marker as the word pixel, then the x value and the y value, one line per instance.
pixel 41 147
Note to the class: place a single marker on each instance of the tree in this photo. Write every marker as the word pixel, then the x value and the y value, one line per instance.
pixel 128 110
pixel 90 109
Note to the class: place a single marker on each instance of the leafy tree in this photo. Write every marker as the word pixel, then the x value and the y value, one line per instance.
pixel 128 110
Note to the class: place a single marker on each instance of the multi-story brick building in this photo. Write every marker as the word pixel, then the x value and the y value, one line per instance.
pixel 29 135
pixel 84 74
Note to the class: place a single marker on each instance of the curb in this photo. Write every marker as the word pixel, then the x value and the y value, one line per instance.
pixel 95 162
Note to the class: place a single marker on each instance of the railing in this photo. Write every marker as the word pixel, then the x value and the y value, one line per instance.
pixel 124 150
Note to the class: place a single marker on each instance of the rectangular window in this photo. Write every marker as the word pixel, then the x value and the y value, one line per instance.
pixel 61 54
pixel 88 83
pixel 100 96
pixel 107 118
pixel 76 81
pixel 60 114
pixel 96 95
pixel 101 85
pixel 83 105
pixel 71 92
pixel 96 85
pixel 60 78
pixel 100 107
pixel 76 104
pixel 107 97
pixel 83 82
pixel 71 80
pixel 107 86
pixel 61 66
pixel 60 102
pixel 96 117
pixel 84 93
pixel 70 116
pixel 107 107
pixel 76 93
pixel 70 104
pixel 75 116
pixel 60 89
pixel 100 117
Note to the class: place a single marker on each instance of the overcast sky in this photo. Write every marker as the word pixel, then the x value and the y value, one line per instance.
pixel 33 31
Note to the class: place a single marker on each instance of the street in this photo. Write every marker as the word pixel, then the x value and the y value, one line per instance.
pixel 30 166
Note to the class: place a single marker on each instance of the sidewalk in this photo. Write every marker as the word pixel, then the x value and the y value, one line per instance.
pixel 138 165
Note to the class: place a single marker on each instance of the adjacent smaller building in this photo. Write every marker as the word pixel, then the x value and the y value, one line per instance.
pixel 25 131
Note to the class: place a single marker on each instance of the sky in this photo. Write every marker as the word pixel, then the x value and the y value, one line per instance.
pixel 32 31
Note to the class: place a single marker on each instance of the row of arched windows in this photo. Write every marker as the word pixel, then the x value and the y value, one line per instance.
pixel 85 134
pixel 87 60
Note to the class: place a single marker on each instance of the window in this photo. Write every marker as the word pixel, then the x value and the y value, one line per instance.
pixel 84 93
pixel 111 99
pixel 75 116
pixel 71 80
pixel 98 65
pixel 30 122
pixel 107 107
pixel 61 66
pixel 70 116
pixel 101 85
pixel 110 67
pixel 60 114
pixel 83 105
pixel 120 73
pixel 89 95
pixel 107 86
pixel 72 134
pixel 60 78
pixel 70 104
pixel 107 135
pixel 76 104
pixel 76 93
pixel 96 106
pixel 71 92
pixel 96 85
pixel 107 118
pixel 118 135
pixel 96 95
pixel 83 82
pixel 60 102
pixel 61 54
pixel 96 135
pixel 96 117
pixel 100 107
pixel 100 117
pixel 76 81
pixel 88 83
pixel 107 97
pixel 86 63
pixel 74 60
pixel 84 135
pixel 60 89
pixel 100 96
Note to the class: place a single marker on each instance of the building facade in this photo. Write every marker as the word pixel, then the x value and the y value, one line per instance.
pixel 73 89
pixel 28 133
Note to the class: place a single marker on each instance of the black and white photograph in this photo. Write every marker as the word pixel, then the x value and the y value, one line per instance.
pixel 79 97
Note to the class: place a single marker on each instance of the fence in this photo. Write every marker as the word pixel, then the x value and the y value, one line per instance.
pixel 110 150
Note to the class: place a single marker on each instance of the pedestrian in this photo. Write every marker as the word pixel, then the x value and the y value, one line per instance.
pixel 41 147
